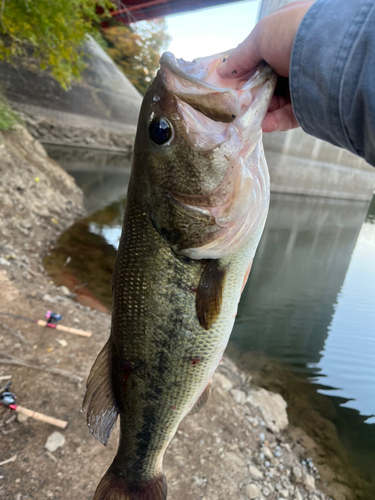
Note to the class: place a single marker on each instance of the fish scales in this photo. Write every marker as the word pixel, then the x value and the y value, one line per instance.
pixel 176 286
pixel 171 355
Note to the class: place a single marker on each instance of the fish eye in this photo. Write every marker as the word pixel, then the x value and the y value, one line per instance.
pixel 160 131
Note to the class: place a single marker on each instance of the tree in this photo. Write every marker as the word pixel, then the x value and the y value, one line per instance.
pixel 136 49
pixel 51 31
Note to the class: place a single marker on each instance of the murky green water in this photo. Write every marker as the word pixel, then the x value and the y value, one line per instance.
pixel 309 301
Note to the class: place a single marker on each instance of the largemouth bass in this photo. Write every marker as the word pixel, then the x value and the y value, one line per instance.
pixel 196 206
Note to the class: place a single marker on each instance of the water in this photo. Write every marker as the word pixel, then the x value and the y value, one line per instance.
pixel 102 176
pixel 309 302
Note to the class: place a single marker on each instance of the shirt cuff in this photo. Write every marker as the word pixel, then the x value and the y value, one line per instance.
pixel 320 55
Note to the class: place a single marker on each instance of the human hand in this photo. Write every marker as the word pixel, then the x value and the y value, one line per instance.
pixel 272 41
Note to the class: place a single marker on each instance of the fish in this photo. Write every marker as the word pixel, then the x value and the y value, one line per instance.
pixel 196 206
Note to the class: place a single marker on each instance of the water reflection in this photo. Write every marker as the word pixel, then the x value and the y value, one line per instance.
pixel 351 333
pixel 84 256
pixel 102 175
pixel 297 273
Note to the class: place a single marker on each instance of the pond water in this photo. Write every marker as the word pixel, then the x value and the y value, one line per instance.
pixel 309 302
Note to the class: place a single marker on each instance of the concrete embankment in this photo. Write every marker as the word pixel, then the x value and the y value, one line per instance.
pixel 301 164
pixel 99 111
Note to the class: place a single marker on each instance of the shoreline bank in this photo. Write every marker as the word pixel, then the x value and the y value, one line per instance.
pixel 233 448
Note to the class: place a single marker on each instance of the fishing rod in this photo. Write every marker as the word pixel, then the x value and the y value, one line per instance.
pixel 8 400
pixel 52 319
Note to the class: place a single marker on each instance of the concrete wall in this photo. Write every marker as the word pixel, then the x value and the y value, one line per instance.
pixel 301 164
pixel 100 110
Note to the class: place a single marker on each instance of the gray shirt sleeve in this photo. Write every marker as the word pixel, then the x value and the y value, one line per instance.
pixel 332 74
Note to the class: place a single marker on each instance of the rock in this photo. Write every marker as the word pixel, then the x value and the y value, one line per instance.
pixel 255 472
pixel 314 497
pixel 54 441
pixel 297 495
pixel 272 406
pixel 252 491
pixel 200 481
pixel 232 458
pixel 296 474
pixel 65 290
pixel 225 383
pixel 267 452
pixel 284 493
pixel 62 342
pixel 269 486
pixel 39 148
pixel 239 396
pixel 47 298
pixel 308 482
pixel 4 262
pixel 266 491
pixel 285 481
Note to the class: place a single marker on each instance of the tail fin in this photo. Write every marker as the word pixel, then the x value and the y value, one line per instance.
pixel 114 487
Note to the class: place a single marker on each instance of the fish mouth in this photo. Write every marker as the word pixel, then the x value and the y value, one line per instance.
pixel 198 84
pixel 223 118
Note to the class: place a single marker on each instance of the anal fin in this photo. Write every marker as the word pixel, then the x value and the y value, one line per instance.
pixel 202 400
pixel 102 409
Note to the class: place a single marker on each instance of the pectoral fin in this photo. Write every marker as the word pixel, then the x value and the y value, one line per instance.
pixel 210 294
pixel 102 409
pixel 202 400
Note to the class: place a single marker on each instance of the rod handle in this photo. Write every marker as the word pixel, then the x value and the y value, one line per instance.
pixel 68 329
pixel 43 418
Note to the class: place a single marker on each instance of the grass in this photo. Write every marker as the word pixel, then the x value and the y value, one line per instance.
pixel 8 118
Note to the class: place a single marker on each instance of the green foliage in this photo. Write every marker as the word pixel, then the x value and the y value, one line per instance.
pixel 8 118
pixel 136 49
pixel 52 30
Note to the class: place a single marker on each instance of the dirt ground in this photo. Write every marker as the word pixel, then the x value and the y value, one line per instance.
pixel 227 451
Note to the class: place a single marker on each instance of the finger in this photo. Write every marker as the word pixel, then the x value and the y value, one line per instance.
pixel 281 119
pixel 244 58
pixel 277 102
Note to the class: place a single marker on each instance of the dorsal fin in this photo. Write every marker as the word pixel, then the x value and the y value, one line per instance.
pixel 102 409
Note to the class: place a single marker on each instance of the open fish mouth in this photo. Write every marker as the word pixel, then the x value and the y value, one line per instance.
pixel 223 117
pixel 198 84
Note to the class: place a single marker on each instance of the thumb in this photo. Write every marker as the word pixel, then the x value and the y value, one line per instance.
pixel 244 58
